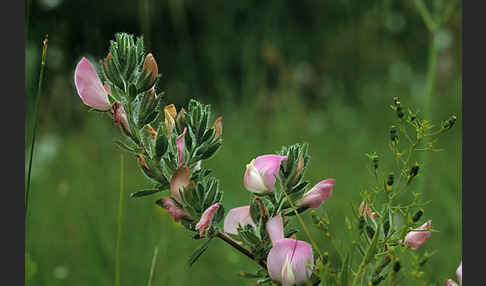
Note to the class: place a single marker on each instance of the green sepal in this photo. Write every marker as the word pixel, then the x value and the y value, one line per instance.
pixel 198 252
pixel 144 193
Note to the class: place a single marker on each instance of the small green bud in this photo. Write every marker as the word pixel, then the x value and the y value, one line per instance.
pixel 397 266
pixel 399 111
pixel 449 122
pixel 418 215
pixel 389 182
pixel 414 170
pixel 393 133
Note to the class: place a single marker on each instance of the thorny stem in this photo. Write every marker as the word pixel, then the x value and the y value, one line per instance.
pixel 241 249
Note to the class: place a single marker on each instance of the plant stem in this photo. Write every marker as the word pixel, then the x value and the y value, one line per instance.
pixel 152 267
pixel 34 129
pixel 241 249
pixel 120 213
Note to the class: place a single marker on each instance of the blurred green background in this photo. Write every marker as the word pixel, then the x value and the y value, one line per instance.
pixel 279 72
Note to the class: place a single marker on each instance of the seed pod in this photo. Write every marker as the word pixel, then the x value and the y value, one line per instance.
pixel 361 223
pixel 393 133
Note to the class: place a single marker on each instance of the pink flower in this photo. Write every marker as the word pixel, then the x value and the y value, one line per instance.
pixel 119 116
pixel 290 262
pixel 317 195
pixel 181 148
pixel 89 86
pixel 206 219
pixel 450 282
pixel 262 172
pixel 275 229
pixel 239 216
pixel 179 181
pixel 459 273
pixel 415 239
pixel 174 210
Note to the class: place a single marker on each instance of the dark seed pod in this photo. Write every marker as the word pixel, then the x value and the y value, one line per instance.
pixel 397 266
pixel 418 215
pixel 370 231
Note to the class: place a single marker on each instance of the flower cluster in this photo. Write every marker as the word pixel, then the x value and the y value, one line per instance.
pixel 171 146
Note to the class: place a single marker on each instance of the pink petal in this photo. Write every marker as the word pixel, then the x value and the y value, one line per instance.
pixel 303 262
pixel 450 282
pixel 416 239
pixel 459 273
pixel 274 228
pixel 239 216
pixel 206 219
pixel 317 195
pixel 119 116
pixel 300 254
pixel 180 180
pixel 89 86
pixel 181 148
pixel 175 211
pixel 269 166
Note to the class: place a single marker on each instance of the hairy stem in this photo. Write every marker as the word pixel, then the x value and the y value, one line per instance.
pixel 120 213
pixel 241 249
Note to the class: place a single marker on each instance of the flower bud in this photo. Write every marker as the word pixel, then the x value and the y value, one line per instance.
pixel 290 262
pixel 174 210
pixel 179 182
pixel 218 127
pixel 206 219
pixel 181 148
pixel 262 172
pixel 151 131
pixel 317 195
pixel 89 86
pixel 150 68
pixel 389 182
pixel 180 117
pixel 415 239
pixel 120 117
pixel 239 216
pixel 170 113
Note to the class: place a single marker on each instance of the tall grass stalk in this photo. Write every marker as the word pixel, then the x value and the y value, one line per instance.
pixel 32 146
pixel 152 267
pixel 34 128
pixel 120 215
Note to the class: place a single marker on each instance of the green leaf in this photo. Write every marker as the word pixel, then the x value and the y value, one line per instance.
pixel 144 193
pixel 125 147
pixel 198 252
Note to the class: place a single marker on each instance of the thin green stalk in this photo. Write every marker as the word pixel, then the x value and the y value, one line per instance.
pixel 152 267
pixel 34 129
pixel 301 221
pixel 120 214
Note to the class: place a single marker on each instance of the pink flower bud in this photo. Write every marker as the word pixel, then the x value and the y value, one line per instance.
pixel 415 239
pixel 89 86
pixel 275 228
pixel 206 219
pixel 290 262
pixel 450 282
pixel 239 216
pixel 365 210
pixel 218 127
pixel 262 172
pixel 179 181
pixel 317 195
pixel 174 210
pixel 459 273
pixel 119 116
pixel 181 148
